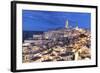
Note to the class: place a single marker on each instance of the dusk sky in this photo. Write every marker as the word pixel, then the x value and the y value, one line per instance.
pixel 33 20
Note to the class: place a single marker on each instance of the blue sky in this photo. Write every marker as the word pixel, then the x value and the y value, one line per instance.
pixel 33 20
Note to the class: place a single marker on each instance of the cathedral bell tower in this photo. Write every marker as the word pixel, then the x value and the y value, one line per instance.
pixel 67 24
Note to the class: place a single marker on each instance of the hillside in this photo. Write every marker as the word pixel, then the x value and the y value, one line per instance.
pixel 61 45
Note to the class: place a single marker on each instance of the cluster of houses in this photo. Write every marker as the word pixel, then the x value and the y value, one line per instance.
pixel 63 44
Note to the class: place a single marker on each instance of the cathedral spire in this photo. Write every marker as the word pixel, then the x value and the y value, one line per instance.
pixel 76 25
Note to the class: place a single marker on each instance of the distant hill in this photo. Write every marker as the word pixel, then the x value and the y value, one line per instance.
pixel 29 34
